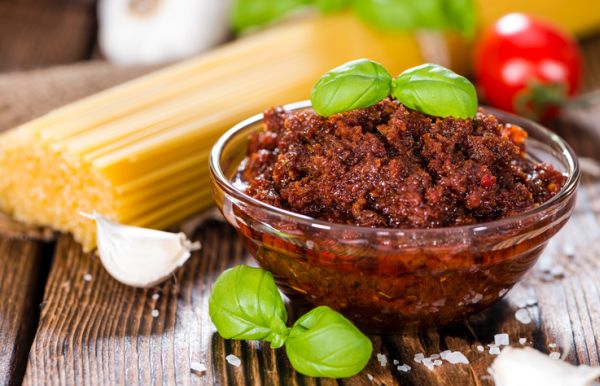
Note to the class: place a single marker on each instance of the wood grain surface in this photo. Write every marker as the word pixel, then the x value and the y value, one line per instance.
pixel 95 331
pixel 22 275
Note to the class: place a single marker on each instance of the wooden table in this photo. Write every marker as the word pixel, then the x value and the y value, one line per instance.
pixel 63 320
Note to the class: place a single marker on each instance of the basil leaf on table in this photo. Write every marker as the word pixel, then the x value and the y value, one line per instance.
pixel 437 91
pixel 356 84
pixel 255 13
pixel 245 304
pixel 323 343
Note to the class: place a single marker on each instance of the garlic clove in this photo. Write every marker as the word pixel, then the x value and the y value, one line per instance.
pixel 529 367
pixel 139 257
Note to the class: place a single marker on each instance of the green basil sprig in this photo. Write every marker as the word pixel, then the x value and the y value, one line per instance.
pixel 245 304
pixel 437 91
pixel 428 88
pixel 458 15
pixel 356 84
pixel 323 343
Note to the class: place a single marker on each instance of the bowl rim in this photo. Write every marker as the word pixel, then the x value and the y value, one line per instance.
pixel 570 186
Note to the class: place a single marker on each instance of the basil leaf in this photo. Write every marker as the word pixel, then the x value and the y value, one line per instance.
pixel 331 6
pixel 400 14
pixel 437 91
pixel 255 13
pixel 418 14
pixel 245 304
pixel 461 16
pixel 323 343
pixel 357 84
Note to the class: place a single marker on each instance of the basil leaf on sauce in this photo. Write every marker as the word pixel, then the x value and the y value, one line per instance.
pixel 356 84
pixel 245 304
pixel 323 343
pixel 437 91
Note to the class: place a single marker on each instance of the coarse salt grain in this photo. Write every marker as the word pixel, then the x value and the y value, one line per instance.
pixel 370 377
pixel 233 360
pixel 480 348
pixel 197 367
pixel 555 355
pixel 569 250
pixel 522 315
pixel 155 296
pixel 501 340
pixel 396 362
pixel 419 357
pixel 155 313
pixel 552 345
pixel 557 271
pixel 404 368
pixel 437 362
pixel 382 359
pixel 494 350
pixel 87 277
pixel 445 353
pixel 456 357
pixel 522 340
pixel 434 356
pixel 428 363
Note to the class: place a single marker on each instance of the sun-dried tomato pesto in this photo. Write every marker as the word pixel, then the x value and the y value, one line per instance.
pixel 389 166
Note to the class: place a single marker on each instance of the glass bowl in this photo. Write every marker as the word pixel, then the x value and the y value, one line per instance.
pixel 385 279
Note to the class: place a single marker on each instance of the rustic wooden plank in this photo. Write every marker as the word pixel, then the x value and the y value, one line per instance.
pixel 22 270
pixel 36 33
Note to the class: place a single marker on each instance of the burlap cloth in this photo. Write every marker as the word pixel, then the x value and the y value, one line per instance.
pixel 27 95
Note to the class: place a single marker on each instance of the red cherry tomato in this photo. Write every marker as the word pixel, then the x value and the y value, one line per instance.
pixel 527 66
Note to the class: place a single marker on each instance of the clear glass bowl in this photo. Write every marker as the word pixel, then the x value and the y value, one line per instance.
pixel 386 279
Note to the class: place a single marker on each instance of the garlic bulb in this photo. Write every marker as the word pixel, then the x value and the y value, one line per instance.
pixel 140 257
pixel 155 31
pixel 529 367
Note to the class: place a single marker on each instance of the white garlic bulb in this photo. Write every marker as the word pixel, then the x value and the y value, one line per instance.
pixel 155 31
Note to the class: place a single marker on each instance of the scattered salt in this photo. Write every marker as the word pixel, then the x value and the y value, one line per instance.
pixel 419 357
pixel 197 367
pixel 437 362
pixel 370 377
pixel 552 345
pixel 404 368
pixel 396 362
pixel 494 350
pixel 155 313
pixel 555 355
pixel 523 316
pixel 557 271
pixel 522 340
pixel 445 353
pixel 428 363
pixel 569 250
pixel 434 356
pixel 233 360
pixel 87 277
pixel 457 357
pixel 480 348
pixel 382 359
pixel 155 296
pixel 501 340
